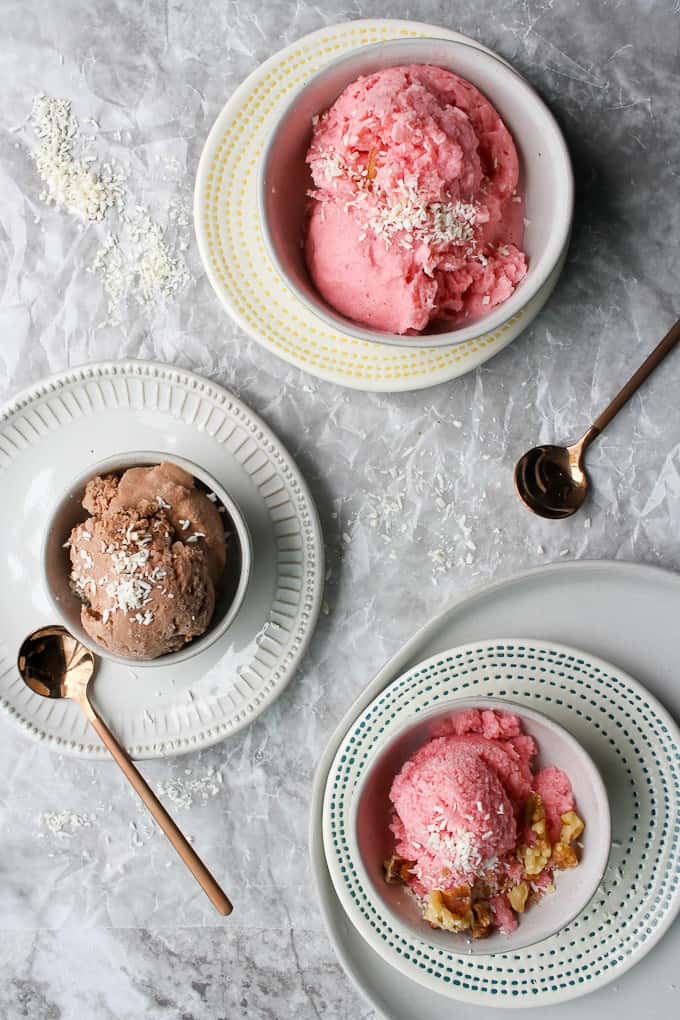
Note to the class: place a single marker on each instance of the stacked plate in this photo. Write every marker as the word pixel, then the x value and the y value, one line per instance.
pixel 635 744
pixel 233 251
pixel 54 432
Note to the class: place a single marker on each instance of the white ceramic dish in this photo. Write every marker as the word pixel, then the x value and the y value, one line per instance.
pixel 233 252
pixel 54 431
pixel 371 842
pixel 635 744
pixel 68 512
pixel 546 176
pixel 623 612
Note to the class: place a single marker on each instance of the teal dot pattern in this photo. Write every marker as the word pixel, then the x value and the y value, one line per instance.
pixel 633 905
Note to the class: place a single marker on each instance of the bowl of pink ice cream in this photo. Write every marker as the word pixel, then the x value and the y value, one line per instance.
pixel 416 190
pixel 483 825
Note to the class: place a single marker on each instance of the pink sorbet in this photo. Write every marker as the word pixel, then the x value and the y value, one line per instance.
pixel 459 801
pixel 415 213
pixel 554 787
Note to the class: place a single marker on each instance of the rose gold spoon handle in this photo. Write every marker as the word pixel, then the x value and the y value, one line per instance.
pixel 636 380
pixel 193 862
pixel 54 664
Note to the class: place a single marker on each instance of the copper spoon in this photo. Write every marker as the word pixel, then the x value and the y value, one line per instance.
pixel 54 664
pixel 552 480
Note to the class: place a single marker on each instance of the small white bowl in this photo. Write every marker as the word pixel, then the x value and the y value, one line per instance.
pixel 546 177
pixel 371 841
pixel 68 512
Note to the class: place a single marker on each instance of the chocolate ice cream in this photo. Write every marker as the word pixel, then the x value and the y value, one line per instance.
pixel 147 561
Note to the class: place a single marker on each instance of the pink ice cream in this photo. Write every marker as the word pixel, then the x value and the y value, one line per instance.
pixel 460 806
pixel 555 789
pixel 457 798
pixel 416 218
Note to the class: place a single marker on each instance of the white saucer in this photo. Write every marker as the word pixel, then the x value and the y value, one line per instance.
pixel 50 434
pixel 233 253
pixel 636 746
pixel 622 612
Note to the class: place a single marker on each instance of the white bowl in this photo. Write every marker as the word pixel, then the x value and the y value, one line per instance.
pixel 546 176
pixel 68 512
pixel 371 841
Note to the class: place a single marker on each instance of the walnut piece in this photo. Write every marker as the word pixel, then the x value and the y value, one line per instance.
pixel 397 870
pixel 517 897
pixel 480 891
pixel 572 827
pixel 564 856
pixel 535 857
pixel 534 810
pixel 483 919
pixel 450 909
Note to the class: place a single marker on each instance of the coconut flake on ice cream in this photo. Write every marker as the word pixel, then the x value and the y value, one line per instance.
pixel 415 217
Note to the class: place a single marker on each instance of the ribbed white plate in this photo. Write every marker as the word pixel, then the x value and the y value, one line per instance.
pixel 230 240
pixel 50 434
pixel 636 746
pixel 625 613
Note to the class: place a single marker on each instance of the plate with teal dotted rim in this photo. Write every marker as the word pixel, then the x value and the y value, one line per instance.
pixel 636 745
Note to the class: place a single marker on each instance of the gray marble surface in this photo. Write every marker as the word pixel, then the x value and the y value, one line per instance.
pixel 415 491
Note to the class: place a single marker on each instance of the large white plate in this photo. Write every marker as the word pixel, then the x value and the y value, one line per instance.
pixel 636 746
pixel 231 245
pixel 624 613
pixel 49 435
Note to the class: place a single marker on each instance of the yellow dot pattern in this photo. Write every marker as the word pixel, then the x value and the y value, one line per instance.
pixel 239 267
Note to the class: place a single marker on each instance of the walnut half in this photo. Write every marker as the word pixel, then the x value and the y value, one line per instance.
pixel 572 827
pixel 517 897
pixel 450 909
pixel 564 856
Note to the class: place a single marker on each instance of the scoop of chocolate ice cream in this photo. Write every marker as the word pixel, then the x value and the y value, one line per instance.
pixel 146 562
pixel 188 509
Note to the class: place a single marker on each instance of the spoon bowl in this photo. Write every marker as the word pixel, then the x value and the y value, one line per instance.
pixel 53 663
pixel 551 480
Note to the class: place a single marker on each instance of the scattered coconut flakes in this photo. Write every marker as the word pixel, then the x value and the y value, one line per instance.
pixel 71 182
pixel 184 792
pixel 64 823
pixel 140 263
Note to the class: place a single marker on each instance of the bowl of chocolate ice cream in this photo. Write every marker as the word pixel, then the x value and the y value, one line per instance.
pixel 147 558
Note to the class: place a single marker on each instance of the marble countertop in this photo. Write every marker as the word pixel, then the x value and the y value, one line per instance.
pixel 414 491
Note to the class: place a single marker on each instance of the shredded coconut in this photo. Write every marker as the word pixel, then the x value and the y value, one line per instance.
pixel 64 823
pixel 184 792
pixel 70 181
pixel 140 263
pixel 139 260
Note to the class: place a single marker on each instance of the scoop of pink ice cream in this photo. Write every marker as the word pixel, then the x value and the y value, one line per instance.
pixel 457 798
pixel 414 215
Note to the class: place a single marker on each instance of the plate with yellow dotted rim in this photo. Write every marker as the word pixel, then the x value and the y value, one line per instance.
pixel 233 252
